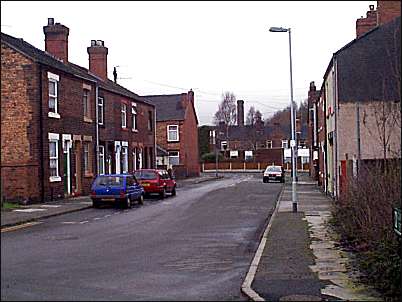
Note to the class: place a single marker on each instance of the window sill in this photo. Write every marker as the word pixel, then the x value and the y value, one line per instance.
pixel 134 130
pixel 53 115
pixel 124 129
pixel 173 141
pixel 54 178
pixel 88 174
pixel 87 119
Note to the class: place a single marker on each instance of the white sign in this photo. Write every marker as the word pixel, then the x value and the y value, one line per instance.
pixel 234 153
pixel 292 143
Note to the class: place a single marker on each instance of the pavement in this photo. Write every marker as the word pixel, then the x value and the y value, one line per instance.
pixel 299 257
pixel 33 212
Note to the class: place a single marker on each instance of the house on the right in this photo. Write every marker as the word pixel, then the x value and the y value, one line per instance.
pixel 358 105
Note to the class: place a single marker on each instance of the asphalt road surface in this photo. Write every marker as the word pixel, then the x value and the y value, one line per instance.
pixel 197 245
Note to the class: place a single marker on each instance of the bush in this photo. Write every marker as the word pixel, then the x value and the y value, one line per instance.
pixel 363 218
pixel 210 157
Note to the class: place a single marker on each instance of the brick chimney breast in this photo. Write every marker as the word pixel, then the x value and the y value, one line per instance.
pixel 56 39
pixel 240 113
pixel 98 58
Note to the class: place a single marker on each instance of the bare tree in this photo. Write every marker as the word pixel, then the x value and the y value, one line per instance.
pixel 227 110
pixel 250 116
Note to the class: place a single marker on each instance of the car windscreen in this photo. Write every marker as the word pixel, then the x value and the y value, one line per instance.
pixel 274 169
pixel 110 181
pixel 145 175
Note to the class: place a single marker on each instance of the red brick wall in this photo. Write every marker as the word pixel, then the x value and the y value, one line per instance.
pixel 388 10
pixel 190 145
pixel 111 130
pixel 20 171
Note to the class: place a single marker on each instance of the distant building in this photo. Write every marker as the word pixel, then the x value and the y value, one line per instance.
pixel 177 132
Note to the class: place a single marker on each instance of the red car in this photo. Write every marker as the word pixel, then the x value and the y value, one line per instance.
pixel 156 181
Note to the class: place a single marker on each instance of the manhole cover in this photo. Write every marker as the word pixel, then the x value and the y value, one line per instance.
pixel 300 298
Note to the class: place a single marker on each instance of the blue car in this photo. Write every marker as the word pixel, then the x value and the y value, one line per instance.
pixel 121 189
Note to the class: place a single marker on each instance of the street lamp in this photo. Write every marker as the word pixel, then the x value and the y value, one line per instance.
pixel 292 118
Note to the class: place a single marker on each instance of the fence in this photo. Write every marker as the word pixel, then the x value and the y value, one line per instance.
pixel 247 166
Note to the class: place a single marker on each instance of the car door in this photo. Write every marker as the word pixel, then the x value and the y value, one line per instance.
pixel 137 188
pixel 130 186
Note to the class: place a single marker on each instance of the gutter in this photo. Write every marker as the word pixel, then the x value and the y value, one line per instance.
pixel 42 164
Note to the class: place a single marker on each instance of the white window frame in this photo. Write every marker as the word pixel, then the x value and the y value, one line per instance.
pixel 169 131
pixel 123 113
pixel 134 118
pixel 86 145
pixel 101 160
pixel 54 138
pixel 269 144
pixel 124 157
pixel 285 144
pixel 86 102
pixel 101 112
pixel 174 156
pixel 54 78
pixel 224 143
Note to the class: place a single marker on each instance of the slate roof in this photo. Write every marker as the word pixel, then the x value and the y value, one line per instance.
pixel 168 107
pixel 46 58
pixel 365 65
pixel 243 133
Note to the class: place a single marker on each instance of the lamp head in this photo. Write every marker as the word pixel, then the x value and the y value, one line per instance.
pixel 278 29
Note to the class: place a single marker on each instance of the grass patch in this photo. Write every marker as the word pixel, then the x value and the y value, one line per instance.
pixel 9 206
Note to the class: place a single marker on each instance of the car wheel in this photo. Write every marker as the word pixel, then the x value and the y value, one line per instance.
pixel 95 203
pixel 126 203
pixel 141 199
pixel 174 191
pixel 163 193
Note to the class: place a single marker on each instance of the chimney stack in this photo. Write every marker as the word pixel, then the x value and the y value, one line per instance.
pixel 240 113
pixel 364 25
pixel 56 39
pixel 98 58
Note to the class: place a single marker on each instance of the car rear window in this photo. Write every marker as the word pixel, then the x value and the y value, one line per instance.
pixel 145 175
pixel 274 169
pixel 109 181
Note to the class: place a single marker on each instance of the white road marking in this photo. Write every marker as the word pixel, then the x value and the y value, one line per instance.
pixel 69 222
pixel 85 221
pixel 29 210
pixel 108 215
pixel 97 218
pixel 50 206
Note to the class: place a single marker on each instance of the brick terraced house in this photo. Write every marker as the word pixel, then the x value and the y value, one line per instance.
pixel 177 131
pixel 62 124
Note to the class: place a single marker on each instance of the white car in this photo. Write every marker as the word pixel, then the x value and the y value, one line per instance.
pixel 274 173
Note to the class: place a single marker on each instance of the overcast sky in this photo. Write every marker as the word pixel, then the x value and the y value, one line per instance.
pixel 211 46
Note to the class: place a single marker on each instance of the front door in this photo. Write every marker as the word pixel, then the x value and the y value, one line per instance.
pixel 67 164
pixel 77 151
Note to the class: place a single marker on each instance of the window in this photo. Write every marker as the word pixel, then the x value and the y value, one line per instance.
pixel 284 144
pixel 134 118
pixel 224 145
pixel 85 102
pixel 53 95
pixel 248 155
pixel 173 133
pixel 100 111
pixel 234 154
pixel 101 156
pixel 87 168
pixel 123 115
pixel 124 159
pixel 54 157
pixel 174 158
pixel 269 144
pixel 150 120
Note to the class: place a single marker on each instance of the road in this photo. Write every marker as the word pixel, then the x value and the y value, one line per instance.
pixel 197 245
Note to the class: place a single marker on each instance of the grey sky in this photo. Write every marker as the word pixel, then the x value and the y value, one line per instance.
pixel 211 47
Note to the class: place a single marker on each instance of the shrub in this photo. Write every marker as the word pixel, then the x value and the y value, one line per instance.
pixel 363 218
pixel 210 157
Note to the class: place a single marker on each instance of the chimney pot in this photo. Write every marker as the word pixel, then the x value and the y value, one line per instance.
pixel 50 21
pixel 56 39
pixel 93 42
pixel 371 7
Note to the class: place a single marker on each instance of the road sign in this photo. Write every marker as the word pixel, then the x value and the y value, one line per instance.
pixel 292 143
pixel 396 219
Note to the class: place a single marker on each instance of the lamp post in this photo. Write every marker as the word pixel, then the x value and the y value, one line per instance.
pixel 292 119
